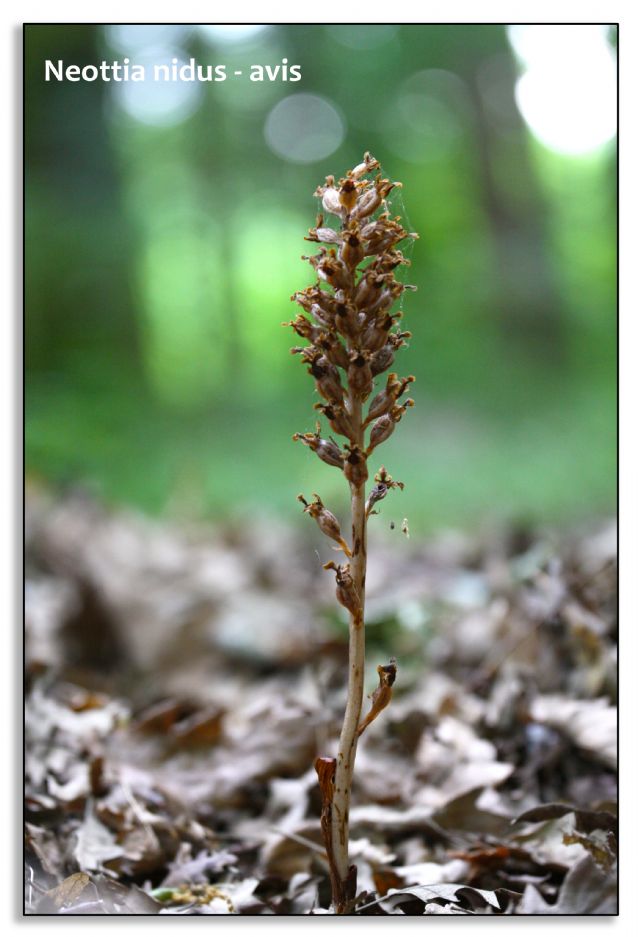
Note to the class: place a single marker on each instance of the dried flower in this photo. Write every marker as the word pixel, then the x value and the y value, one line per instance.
pixel 346 592
pixel 325 449
pixel 339 419
pixel 359 372
pixel 385 425
pixel 383 401
pixel 381 696
pixel 327 522
pixel 384 484
pixel 355 466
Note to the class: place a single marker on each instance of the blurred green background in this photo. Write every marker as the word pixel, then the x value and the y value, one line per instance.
pixel 165 224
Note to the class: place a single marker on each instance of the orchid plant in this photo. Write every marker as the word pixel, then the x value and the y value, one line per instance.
pixel 353 335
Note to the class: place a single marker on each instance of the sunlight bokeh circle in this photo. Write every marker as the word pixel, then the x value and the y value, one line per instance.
pixel 568 91
pixel 304 128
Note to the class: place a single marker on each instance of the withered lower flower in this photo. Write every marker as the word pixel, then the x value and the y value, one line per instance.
pixel 326 449
pixel 381 696
pixel 327 522
pixel 359 372
pixel 383 359
pixel 384 484
pixel 383 401
pixel 346 591
pixel 339 419
pixel 355 466
pixel 385 425
pixel 354 336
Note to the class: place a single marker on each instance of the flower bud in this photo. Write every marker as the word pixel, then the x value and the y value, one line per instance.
pixel 373 197
pixel 304 297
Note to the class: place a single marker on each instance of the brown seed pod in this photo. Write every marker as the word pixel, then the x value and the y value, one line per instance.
pixel 352 250
pixel 348 321
pixel 359 373
pixel 333 349
pixel 338 418
pixel 377 331
pixel 327 522
pixel 325 449
pixel 355 466
pixel 304 328
pixel 383 359
pixel 384 400
pixel 385 425
pixel 323 235
pixel 326 375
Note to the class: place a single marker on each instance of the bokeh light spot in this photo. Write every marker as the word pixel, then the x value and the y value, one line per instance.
pixel 427 116
pixel 304 128
pixel 158 103
pixel 568 92
pixel 132 39
pixel 230 32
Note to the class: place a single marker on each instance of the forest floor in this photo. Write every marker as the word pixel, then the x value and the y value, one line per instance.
pixel 181 680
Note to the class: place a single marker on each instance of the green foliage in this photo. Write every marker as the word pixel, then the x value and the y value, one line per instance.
pixel 160 261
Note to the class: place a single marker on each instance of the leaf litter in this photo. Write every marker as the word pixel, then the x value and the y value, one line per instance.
pixel 182 679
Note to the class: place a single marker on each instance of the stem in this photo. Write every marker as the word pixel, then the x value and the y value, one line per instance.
pixel 351 329
pixel 349 735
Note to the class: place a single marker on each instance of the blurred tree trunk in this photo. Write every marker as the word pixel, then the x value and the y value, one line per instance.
pixel 78 276
pixel 529 305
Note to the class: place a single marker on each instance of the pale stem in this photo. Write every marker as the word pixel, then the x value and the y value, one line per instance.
pixel 349 735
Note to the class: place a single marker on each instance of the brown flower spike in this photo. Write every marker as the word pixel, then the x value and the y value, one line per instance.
pixel 348 319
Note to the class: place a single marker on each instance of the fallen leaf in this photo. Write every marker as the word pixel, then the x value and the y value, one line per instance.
pixel 95 845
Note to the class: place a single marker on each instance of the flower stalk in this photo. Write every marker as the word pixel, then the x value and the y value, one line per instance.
pixel 353 338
